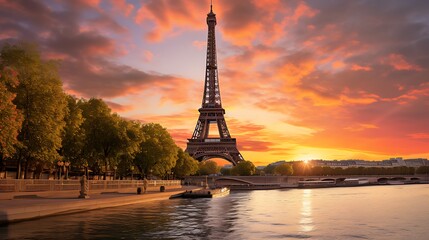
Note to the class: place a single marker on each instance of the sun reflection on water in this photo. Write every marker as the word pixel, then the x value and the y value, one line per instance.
pixel 306 220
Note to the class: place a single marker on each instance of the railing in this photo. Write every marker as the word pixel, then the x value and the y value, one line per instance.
pixel 38 185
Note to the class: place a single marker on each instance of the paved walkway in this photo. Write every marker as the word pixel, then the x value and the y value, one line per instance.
pixel 54 203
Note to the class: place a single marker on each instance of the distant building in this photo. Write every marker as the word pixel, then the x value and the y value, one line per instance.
pixel 418 162
pixel 392 162
pixel 278 163
pixel 227 166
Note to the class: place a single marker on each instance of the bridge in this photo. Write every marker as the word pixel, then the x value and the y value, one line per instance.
pixel 292 181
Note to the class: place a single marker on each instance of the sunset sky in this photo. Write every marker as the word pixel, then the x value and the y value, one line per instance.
pixel 298 79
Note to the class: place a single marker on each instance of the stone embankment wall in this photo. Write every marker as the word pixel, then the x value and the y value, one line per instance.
pixel 37 185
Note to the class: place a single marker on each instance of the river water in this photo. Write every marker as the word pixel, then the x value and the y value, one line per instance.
pixel 374 212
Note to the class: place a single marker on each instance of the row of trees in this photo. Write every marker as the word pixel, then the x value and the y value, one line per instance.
pixel 41 125
pixel 303 169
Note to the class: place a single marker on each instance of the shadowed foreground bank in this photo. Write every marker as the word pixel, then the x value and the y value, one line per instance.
pixel 30 206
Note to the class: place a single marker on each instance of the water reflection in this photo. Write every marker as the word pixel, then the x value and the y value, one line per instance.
pixel 292 214
pixel 306 220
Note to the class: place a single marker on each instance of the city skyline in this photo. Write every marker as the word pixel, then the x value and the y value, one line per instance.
pixel 299 79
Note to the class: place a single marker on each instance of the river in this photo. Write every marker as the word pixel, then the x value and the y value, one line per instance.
pixel 373 212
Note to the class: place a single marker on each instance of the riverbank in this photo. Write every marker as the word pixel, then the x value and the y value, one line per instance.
pixel 31 206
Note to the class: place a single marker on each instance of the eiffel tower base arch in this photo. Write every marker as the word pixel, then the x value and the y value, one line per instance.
pixel 201 150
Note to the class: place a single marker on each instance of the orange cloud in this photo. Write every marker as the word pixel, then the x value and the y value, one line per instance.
pixel 245 22
pixel 293 72
pixel 338 64
pixel 303 10
pixel 167 15
pixel 419 135
pixel 399 62
pixel 361 127
pixel 356 67
pixel 180 136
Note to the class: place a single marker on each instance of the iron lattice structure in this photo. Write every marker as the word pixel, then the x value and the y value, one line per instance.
pixel 201 146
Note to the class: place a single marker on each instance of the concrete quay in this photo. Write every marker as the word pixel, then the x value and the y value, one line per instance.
pixel 36 205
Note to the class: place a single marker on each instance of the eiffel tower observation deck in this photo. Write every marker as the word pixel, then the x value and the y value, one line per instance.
pixel 203 145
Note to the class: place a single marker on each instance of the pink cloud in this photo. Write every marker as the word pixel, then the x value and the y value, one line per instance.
pixel 419 135
pixel 303 10
pixel 166 16
pixel 357 67
pixel 147 55
pixel 199 44
pixel 399 62
pixel 361 127
pixel 116 107
pixel 122 6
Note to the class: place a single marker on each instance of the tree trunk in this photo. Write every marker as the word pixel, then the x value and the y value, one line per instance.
pixel 18 168
pixel 105 169
pixel 26 169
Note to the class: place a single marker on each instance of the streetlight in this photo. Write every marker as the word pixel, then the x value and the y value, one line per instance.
pixel 85 165
pixel 67 167
pixel 114 175
pixel 132 169
pixel 60 164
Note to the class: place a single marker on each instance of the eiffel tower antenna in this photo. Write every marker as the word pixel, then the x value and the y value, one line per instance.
pixel 202 146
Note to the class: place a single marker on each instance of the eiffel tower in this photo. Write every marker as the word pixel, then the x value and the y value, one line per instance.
pixel 202 146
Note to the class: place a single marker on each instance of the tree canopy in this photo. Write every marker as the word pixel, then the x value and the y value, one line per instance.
pixel 284 169
pixel 185 164
pixel 243 168
pixel 158 152
pixel 40 98
pixel 10 116
pixel 208 167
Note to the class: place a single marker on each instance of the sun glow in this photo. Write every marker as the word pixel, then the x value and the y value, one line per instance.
pixel 306 157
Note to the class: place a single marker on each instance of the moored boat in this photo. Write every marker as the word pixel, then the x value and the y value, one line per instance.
pixel 203 193
pixel 395 182
pixel 265 186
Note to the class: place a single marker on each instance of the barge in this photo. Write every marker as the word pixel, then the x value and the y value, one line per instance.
pixel 203 193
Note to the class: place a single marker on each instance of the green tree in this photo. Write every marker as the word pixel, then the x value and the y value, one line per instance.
pixel 284 169
pixel 269 169
pixel 73 137
pixel 422 170
pixel 243 168
pixel 185 164
pixel 104 140
pixel 10 116
pixel 225 171
pixel 157 153
pixel 41 100
pixel 131 137
pixel 208 167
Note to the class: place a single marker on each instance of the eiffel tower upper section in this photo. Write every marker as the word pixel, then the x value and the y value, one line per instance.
pixel 211 97
pixel 202 146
